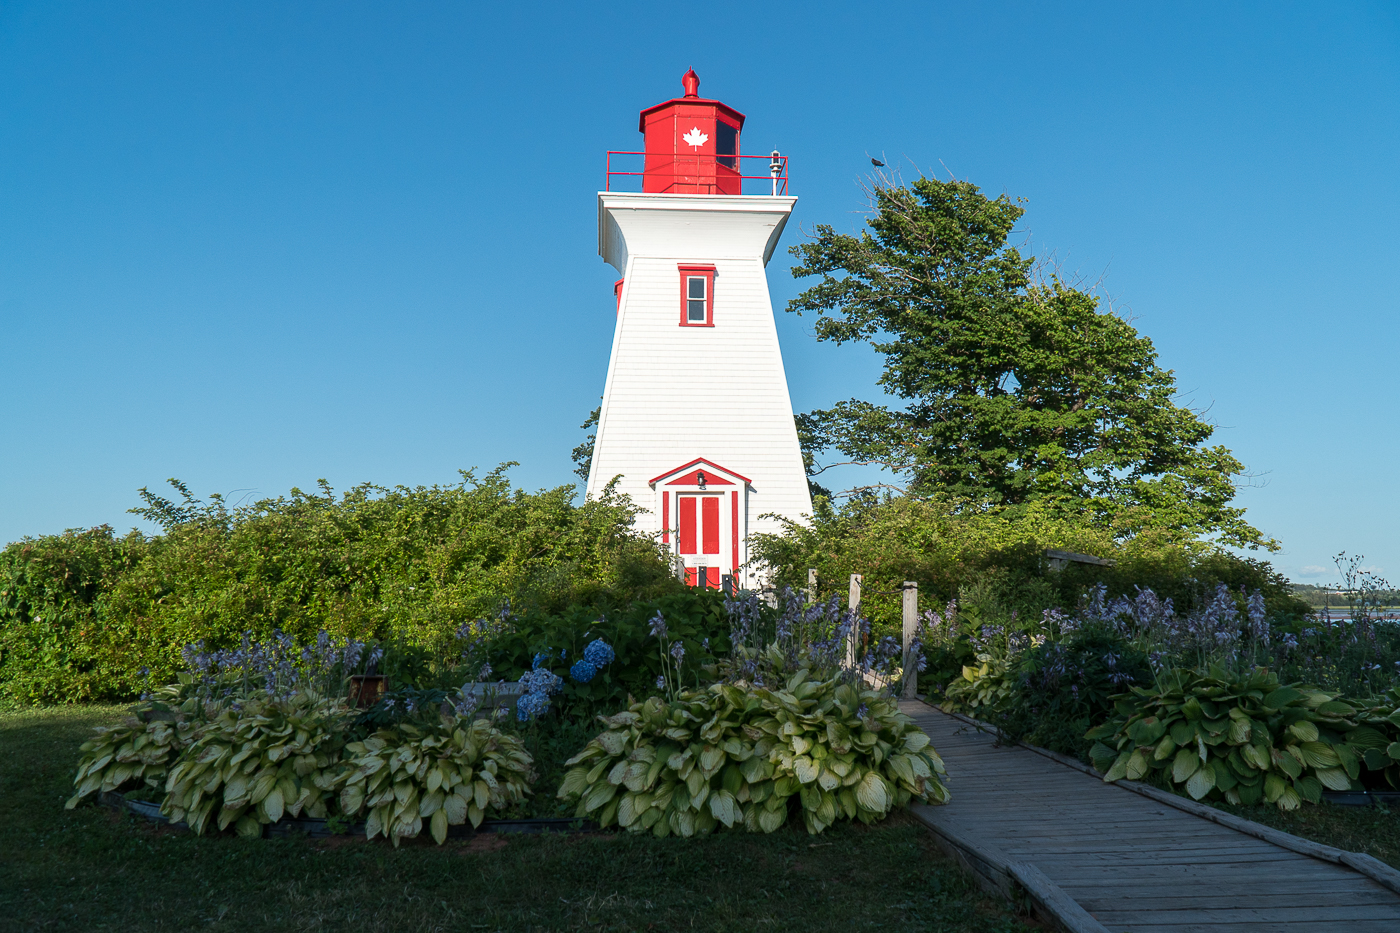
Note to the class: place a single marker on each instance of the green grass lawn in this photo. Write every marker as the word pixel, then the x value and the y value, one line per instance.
pixel 93 868
pixel 1373 830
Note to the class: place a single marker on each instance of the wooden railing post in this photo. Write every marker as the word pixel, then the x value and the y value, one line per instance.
pixel 853 607
pixel 911 627
pixel 811 584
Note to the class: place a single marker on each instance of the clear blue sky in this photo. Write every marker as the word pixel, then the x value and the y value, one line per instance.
pixel 250 245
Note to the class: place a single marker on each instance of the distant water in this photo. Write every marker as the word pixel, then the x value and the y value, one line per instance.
pixel 1335 614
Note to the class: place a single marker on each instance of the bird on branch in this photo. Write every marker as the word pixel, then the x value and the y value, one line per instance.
pixel 877 163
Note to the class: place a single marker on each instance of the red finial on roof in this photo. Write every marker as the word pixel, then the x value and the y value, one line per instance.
pixel 691 82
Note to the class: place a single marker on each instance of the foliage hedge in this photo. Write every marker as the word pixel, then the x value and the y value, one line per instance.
pixel 992 559
pixel 84 614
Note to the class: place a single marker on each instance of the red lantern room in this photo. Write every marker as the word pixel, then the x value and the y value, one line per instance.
pixel 692 144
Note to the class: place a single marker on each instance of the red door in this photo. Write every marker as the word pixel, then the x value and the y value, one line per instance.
pixel 692 577
pixel 699 537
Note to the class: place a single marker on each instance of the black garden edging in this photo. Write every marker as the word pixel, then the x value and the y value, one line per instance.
pixel 318 829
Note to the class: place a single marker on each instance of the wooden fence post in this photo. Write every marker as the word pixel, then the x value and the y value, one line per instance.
pixel 911 627
pixel 852 606
pixel 811 584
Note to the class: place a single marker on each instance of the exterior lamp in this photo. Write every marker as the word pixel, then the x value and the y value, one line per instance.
pixel 700 479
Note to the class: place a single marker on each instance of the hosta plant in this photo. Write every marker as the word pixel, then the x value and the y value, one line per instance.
pixel 446 773
pixel 1377 739
pixel 130 752
pixel 257 760
pixel 989 685
pixel 1244 737
pixel 735 755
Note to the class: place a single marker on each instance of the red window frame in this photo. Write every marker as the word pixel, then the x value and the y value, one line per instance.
pixel 708 274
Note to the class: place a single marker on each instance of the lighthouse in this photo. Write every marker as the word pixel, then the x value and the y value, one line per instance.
pixel 696 422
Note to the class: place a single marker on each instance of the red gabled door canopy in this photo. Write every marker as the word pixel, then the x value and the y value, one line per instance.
pixel 690 478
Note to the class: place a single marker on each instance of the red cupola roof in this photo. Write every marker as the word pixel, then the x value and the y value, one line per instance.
pixel 692 144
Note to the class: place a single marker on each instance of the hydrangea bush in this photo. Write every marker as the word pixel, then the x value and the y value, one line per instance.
pixel 514 644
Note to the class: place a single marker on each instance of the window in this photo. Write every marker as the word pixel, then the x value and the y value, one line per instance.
pixel 726 144
pixel 697 296
pixel 696 299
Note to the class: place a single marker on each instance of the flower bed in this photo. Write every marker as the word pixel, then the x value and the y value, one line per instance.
pixel 736 756
pixel 250 739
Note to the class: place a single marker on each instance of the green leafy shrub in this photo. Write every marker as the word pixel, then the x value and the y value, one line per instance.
pixel 511 644
pixel 83 614
pixel 956 549
pixel 448 772
pixel 736 756
pixel 1066 686
pixel 1247 738
pixel 129 752
pixel 259 757
pixel 53 597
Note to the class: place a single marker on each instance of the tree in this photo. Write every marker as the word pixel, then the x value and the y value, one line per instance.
pixel 1016 388
pixel 583 454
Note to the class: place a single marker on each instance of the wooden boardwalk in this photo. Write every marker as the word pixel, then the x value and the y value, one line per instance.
pixel 1132 863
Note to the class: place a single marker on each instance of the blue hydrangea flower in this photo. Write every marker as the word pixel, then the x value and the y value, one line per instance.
pixel 599 653
pixel 531 706
pixel 541 681
pixel 582 671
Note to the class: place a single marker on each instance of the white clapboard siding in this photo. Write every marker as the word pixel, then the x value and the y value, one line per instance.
pixel 675 394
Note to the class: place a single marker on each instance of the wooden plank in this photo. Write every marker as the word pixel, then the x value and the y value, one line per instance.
pixel 1283 897
pixel 1091 856
pixel 1272 916
pixel 1127 831
pixel 1118 848
pixel 1117 896
pixel 1085 879
pixel 1252 926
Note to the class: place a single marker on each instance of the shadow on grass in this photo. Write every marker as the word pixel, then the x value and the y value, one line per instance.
pixel 93 868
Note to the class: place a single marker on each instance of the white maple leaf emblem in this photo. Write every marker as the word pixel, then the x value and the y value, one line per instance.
pixel 695 137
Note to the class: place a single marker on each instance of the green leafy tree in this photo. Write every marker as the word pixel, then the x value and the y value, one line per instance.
pixel 583 454
pixel 1016 389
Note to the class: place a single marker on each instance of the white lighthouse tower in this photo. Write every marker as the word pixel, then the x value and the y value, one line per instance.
pixel 696 418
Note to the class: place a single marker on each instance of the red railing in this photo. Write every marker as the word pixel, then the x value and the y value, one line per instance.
pixel 696 173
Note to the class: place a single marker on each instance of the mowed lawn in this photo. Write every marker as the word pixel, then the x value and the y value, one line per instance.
pixel 93 869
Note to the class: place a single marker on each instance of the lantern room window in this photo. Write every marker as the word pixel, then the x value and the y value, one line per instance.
pixel 727 144
pixel 697 296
